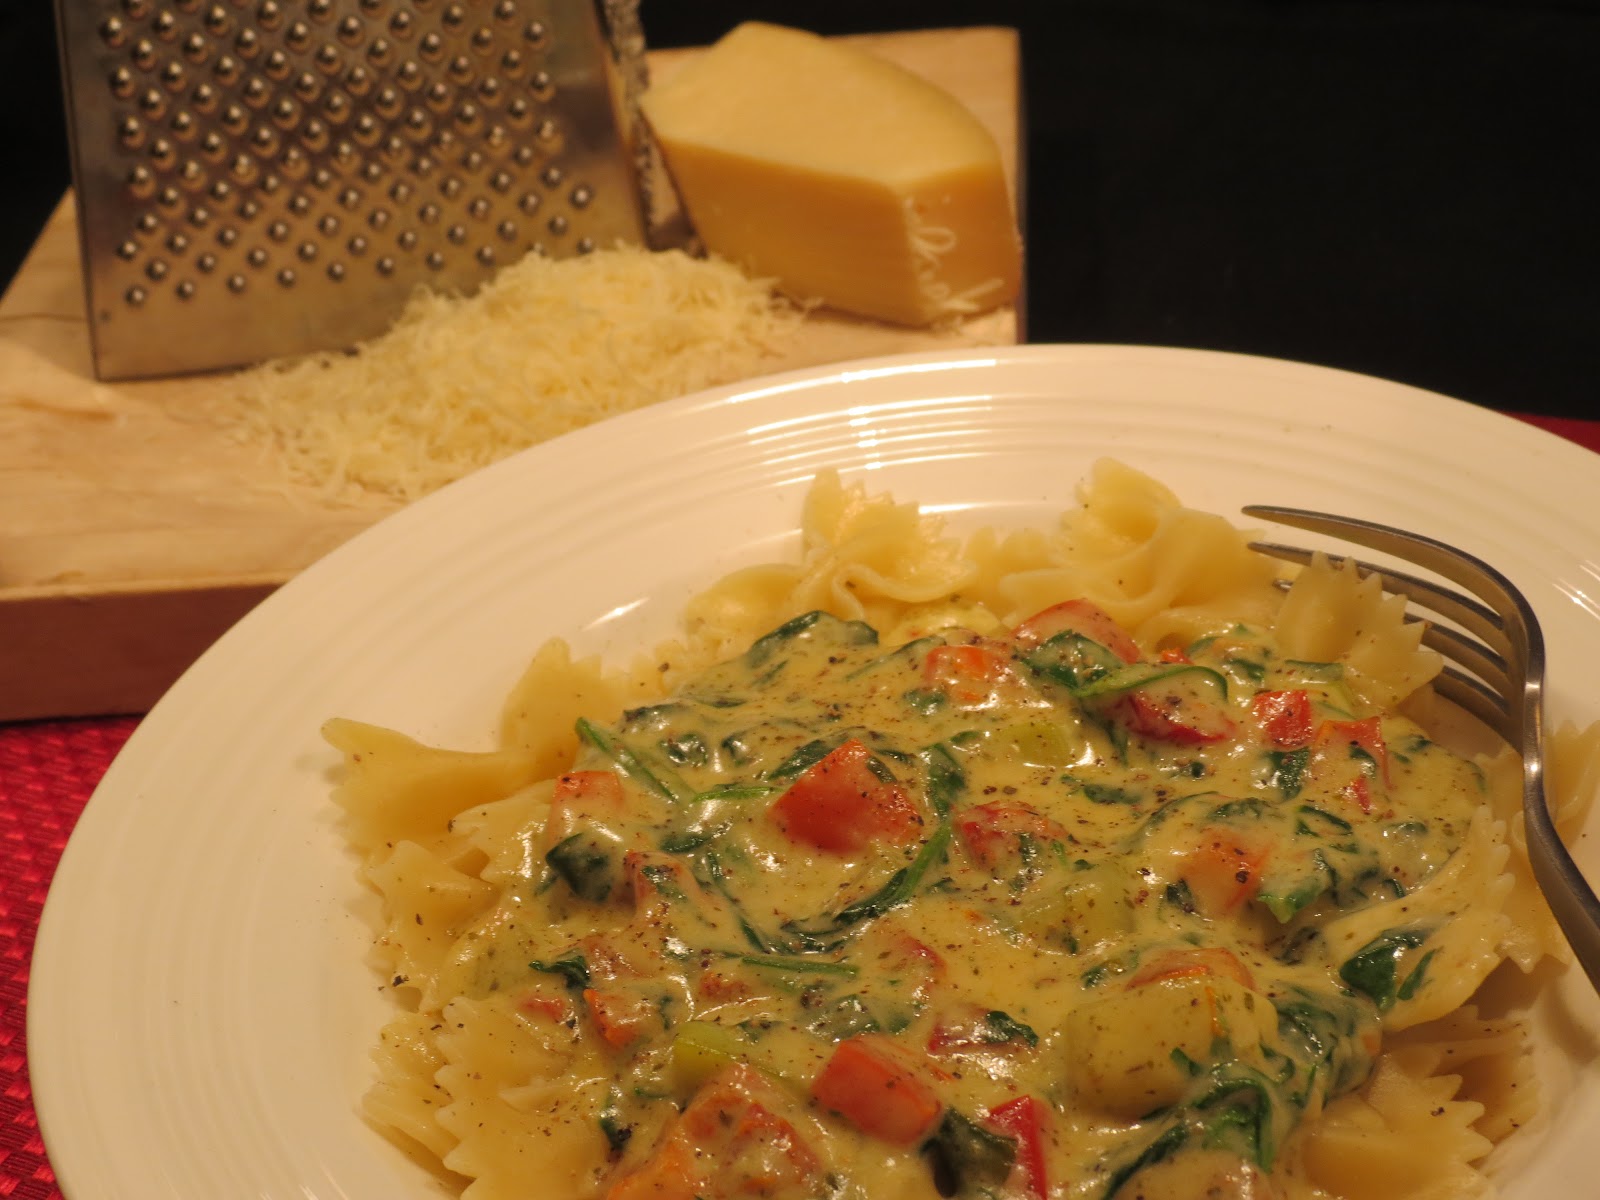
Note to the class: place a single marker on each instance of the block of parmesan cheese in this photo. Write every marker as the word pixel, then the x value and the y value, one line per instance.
pixel 846 178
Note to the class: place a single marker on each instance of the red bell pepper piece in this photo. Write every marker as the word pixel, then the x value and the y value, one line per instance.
pixel 1023 1120
pixel 840 805
pixel 871 1084
pixel 1285 718
pixel 1081 617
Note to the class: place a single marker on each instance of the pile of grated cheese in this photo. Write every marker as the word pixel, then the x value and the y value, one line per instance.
pixel 544 348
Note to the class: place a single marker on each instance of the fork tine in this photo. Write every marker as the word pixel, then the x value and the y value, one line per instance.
pixel 1477 699
pixel 1509 626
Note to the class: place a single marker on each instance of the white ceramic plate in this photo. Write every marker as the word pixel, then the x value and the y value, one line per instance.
pixel 200 1013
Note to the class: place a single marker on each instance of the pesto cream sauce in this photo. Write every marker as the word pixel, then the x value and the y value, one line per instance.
pixel 1058 924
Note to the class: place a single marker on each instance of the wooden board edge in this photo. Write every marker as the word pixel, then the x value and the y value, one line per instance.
pixel 114 651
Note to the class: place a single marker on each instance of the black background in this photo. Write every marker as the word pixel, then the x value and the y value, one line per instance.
pixel 1395 187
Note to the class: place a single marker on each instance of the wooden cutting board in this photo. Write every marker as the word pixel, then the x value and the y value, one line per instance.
pixel 132 534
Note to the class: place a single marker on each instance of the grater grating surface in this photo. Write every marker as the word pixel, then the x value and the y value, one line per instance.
pixel 258 178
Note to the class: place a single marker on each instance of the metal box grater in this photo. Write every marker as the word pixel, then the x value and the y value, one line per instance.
pixel 258 178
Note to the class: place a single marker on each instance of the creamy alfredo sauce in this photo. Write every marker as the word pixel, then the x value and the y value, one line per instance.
pixel 1028 917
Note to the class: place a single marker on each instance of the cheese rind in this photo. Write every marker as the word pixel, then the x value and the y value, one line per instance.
pixel 841 175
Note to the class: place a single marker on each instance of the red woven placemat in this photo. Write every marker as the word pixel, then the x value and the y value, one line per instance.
pixel 48 770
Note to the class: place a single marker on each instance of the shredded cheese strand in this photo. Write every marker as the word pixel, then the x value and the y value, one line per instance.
pixel 546 347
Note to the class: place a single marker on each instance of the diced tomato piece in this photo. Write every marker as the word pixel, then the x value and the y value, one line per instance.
pixel 668 1174
pixel 1366 734
pixel 875 1087
pixel 1173 714
pixel 545 1002
pixel 1358 792
pixel 1224 870
pixel 1082 617
pixel 1186 963
pixel 581 798
pixel 732 1140
pixel 968 674
pixel 1285 718
pixel 840 805
pixel 752 1149
pixel 1174 655
pixel 1023 1121
pixel 621 1017
pixel 994 832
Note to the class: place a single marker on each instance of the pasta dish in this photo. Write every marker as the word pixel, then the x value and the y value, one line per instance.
pixel 1079 862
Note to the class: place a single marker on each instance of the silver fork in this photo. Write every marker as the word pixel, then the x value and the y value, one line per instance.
pixel 1495 671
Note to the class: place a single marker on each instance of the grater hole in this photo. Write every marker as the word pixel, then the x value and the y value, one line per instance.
pixel 297 37
pixel 319 10
pixel 137 10
pixel 183 125
pixel 327 58
pixel 336 271
pixel 287 277
pixel 269 15
pixel 257 257
pixel 128 251
pixel 130 133
pixel 485 255
pixel 203 98
pixel 143 54
pixel 206 263
pixel 351 31
pixel 435 260
pixel 386 265
pixel 431 47
pixel 227 236
pixel 482 39
pixel 123 83
pixel 185 290
pixel 357 245
pixel 401 25
pixel 407 239
pixel 163 153
pixel 557 225
pixel 276 66
pixel 196 49
pixel 236 283
pixel 136 295
pixel 505 10
pixel 165 26
pixel 536 33
pixel 141 182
